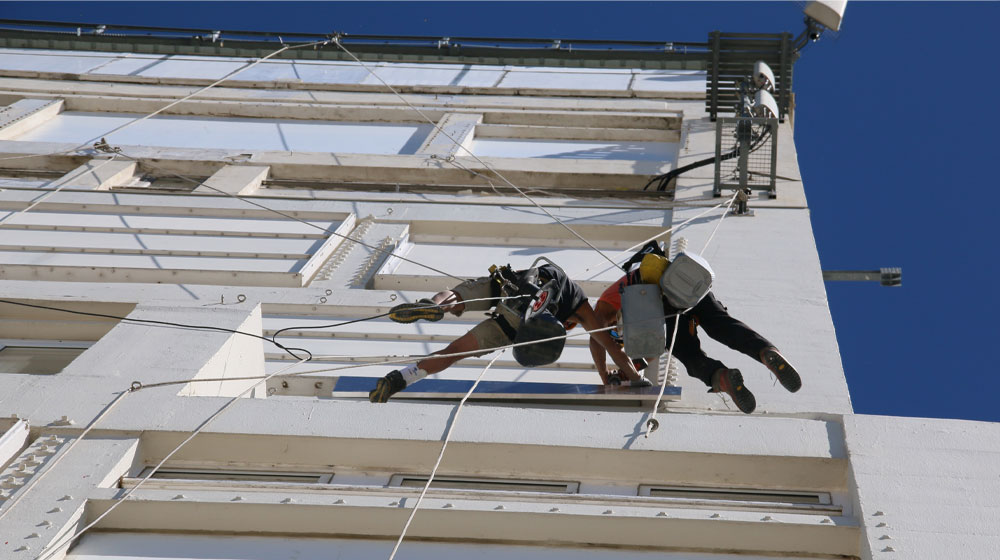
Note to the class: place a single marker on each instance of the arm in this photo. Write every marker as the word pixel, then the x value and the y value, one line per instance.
pixel 600 355
pixel 586 316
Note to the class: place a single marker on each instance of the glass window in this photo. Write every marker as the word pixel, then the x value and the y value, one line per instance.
pixel 39 360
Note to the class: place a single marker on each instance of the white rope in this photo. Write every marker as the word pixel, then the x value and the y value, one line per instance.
pixel 474 156
pixel 250 64
pixel 390 360
pixel 652 424
pixel 50 551
pixel 723 217
pixel 65 452
pixel 297 219
pixel 49 193
pixel 444 445
pixel 658 235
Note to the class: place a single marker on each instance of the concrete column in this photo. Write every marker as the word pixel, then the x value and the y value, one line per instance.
pixel 97 174
pixel 235 179
pixel 461 127
pixel 21 116
pixel 55 506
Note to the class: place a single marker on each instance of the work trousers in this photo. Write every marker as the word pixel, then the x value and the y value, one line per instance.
pixel 712 316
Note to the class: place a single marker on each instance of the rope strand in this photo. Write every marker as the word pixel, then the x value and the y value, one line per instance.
pixel 474 156
pixel 444 445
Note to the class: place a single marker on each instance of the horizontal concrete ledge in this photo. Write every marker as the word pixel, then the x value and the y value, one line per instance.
pixel 480 521
pixel 70 89
pixel 150 275
pixel 362 168
pixel 402 88
pixel 661 467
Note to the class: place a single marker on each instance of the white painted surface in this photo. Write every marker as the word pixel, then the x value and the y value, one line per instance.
pixel 50 62
pixel 148 262
pixel 153 546
pixel 933 483
pixel 202 224
pixel 664 152
pixel 690 81
pixel 352 74
pixel 243 134
pixel 543 79
pixel 472 261
pixel 159 242
pixel 12 441
pixel 434 74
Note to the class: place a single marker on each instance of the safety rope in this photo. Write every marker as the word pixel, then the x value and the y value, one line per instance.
pixel 664 232
pixel 721 218
pixel 50 551
pixel 651 423
pixel 336 41
pixel 390 360
pixel 444 445
pixel 295 218
pixel 38 200
pixel 35 480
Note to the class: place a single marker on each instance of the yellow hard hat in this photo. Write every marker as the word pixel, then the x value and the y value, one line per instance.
pixel 652 268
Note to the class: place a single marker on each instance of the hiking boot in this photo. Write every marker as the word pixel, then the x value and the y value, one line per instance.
pixel 779 366
pixel 424 309
pixel 386 387
pixel 730 381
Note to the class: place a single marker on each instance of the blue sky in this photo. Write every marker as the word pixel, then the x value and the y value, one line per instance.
pixel 896 127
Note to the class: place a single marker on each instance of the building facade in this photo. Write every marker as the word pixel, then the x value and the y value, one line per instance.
pixel 167 209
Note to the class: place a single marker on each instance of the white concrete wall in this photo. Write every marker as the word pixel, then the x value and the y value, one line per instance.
pixel 926 489
pixel 576 129
pixel 236 134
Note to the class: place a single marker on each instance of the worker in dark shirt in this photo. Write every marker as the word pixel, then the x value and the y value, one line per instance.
pixel 509 293
pixel 714 318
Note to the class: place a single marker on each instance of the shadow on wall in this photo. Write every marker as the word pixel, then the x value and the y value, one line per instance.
pixel 661 152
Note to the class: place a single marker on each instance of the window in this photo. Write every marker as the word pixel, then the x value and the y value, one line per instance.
pixel 487 484
pixel 37 357
pixel 236 476
pixel 819 503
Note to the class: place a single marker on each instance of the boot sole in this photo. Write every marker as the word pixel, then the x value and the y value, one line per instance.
pixel 412 312
pixel 381 392
pixel 742 397
pixel 786 374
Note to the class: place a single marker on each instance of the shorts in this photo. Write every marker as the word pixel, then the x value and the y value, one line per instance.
pixel 488 333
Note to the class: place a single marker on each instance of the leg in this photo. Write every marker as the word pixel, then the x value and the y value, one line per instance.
pixel 485 336
pixel 711 372
pixel 448 301
pixel 687 349
pixel 715 319
pixel 465 343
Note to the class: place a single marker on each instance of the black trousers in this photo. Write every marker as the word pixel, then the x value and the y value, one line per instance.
pixel 712 316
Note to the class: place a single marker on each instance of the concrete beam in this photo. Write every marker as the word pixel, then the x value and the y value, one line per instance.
pixel 15 88
pixel 235 179
pixel 599 175
pixel 517 522
pixel 453 135
pixel 97 174
pixel 21 116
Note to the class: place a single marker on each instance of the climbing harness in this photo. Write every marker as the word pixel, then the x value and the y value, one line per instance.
pixel 537 296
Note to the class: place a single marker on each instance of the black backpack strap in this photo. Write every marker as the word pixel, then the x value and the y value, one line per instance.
pixel 653 247
pixel 505 326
